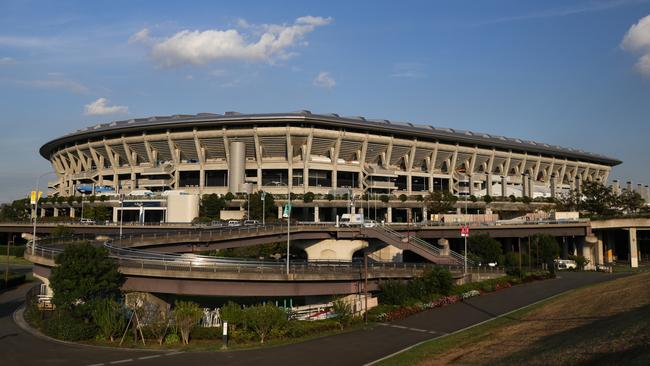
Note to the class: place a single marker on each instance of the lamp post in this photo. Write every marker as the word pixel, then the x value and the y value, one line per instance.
pixel 38 181
pixel 263 197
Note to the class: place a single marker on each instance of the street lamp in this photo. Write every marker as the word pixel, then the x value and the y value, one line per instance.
pixel 38 181
pixel 288 214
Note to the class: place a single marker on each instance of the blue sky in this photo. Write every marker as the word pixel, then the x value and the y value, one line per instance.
pixel 575 74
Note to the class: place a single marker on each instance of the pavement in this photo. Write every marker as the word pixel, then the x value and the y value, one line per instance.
pixel 360 347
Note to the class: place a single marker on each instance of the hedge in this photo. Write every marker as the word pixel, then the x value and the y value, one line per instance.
pixel 15 250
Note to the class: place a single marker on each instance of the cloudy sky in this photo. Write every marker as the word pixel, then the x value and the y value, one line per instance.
pixel 570 73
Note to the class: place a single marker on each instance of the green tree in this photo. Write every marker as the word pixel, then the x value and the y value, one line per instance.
pixel 549 249
pixel 186 315
pixel 487 249
pixel 233 314
pixel 440 202
pixel 487 198
pixel 262 319
pixel 229 197
pixel 211 206
pixel 630 201
pixel 438 280
pixel 84 273
pixel 18 210
pixel 61 231
pixel 597 198
pixel 403 197
pixel 256 206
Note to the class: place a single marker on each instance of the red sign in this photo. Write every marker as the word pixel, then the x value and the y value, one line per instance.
pixel 464 231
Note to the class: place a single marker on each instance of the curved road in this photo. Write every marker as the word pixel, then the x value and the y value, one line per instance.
pixel 355 348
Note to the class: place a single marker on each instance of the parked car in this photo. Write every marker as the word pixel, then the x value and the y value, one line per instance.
pixel 234 223
pixel 370 223
pixel 566 264
pixel 251 222
pixel 217 223
pixel 87 221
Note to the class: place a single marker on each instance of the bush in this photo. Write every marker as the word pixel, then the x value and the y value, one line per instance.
pixel 487 198
pixel 69 328
pixel 262 319
pixel 233 314
pixel 207 333
pixel 108 316
pixel 329 196
pixel 384 198
pixel 308 197
pixel 298 328
pixel 186 315
pixel 438 281
pixel 403 197
pixel 172 339
pixel 343 311
pixel 485 247
pixel 581 261
pixel 393 292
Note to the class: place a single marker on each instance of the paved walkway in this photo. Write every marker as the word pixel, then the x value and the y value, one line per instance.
pixel 355 348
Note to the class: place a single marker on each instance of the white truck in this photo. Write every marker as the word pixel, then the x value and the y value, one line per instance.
pixel 355 220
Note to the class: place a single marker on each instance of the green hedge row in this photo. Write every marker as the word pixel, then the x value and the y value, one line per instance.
pixel 15 250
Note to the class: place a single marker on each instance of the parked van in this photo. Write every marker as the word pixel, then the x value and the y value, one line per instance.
pixel 87 221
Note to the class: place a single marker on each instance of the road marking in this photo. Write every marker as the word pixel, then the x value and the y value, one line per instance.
pixel 121 361
pixel 173 353
pixel 148 357
pixel 97 364
pixel 463 329
pixel 412 329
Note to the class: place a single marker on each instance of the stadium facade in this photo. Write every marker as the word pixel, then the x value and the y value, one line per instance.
pixel 305 152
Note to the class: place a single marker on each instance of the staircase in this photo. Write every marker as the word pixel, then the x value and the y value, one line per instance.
pixel 414 244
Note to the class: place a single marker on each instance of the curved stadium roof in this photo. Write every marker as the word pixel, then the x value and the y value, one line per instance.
pixel 405 129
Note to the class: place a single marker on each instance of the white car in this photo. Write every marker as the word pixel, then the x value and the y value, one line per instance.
pixel 566 264
pixel 370 223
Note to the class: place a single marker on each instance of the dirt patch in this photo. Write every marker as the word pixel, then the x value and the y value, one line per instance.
pixel 583 327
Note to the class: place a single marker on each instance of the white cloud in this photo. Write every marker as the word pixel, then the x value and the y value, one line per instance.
pixel 55 81
pixel 324 80
pixel 202 47
pixel 637 39
pixel 141 36
pixel 100 108
pixel 7 61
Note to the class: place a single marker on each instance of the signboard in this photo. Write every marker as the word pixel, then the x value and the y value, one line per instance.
pixel 263 196
pixel 287 210
pixel 464 231
pixel 35 196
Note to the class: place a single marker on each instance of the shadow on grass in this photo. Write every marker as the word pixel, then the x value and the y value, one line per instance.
pixel 622 339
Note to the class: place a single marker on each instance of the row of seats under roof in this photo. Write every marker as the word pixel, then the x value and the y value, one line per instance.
pixel 449 131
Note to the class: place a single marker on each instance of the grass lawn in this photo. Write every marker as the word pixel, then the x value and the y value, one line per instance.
pixel 15 260
pixel 607 323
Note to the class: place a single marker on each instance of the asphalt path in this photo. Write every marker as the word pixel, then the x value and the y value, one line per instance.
pixel 354 348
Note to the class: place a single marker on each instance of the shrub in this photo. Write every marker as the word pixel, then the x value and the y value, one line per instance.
pixel 329 196
pixel 473 198
pixel 233 314
pixel 512 198
pixel 186 315
pixel 298 329
pixel 262 319
pixel 207 333
pixel 63 325
pixel 487 198
pixel 438 280
pixel 343 311
pixel 172 339
pixel 109 318
pixel 393 292
pixel 156 320
pixel 403 197
pixel 581 261
pixel 308 197
pixel 485 247
pixel 384 198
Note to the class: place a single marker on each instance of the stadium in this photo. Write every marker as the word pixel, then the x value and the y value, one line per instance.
pixel 340 161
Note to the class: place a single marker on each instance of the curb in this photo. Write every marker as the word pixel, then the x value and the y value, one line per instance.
pixel 19 319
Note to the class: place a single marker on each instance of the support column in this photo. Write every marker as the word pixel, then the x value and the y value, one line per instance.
pixel 531 187
pixel 444 246
pixel 425 213
pixel 524 185
pixel 389 214
pixel 72 213
pixel 471 185
pixel 553 184
pixel 316 214
pixel 42 213
pixel 488 184
pixel 280 212
pixel 56 212
pixel 634 251
pixel 504 186
pixel 116 213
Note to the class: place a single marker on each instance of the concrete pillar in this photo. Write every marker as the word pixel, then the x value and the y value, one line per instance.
pixel 531 186
pixel 237 166
pixel 425 213
pixel 409 215
pixel 42 213
pixel 389 214
pixel 56 212
pixel 616 187
pixel 488 184
pixel 578 184
pixel 316 214
pixel 72 212
pixel 444 246
pixel 590 251
pixel 471 185
pixel 599 253
pixel 279 212
pixel 553 185
pixel 116 213
pixel 201 179
pixel 524 185
pixel 504 186
pixel 634 251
